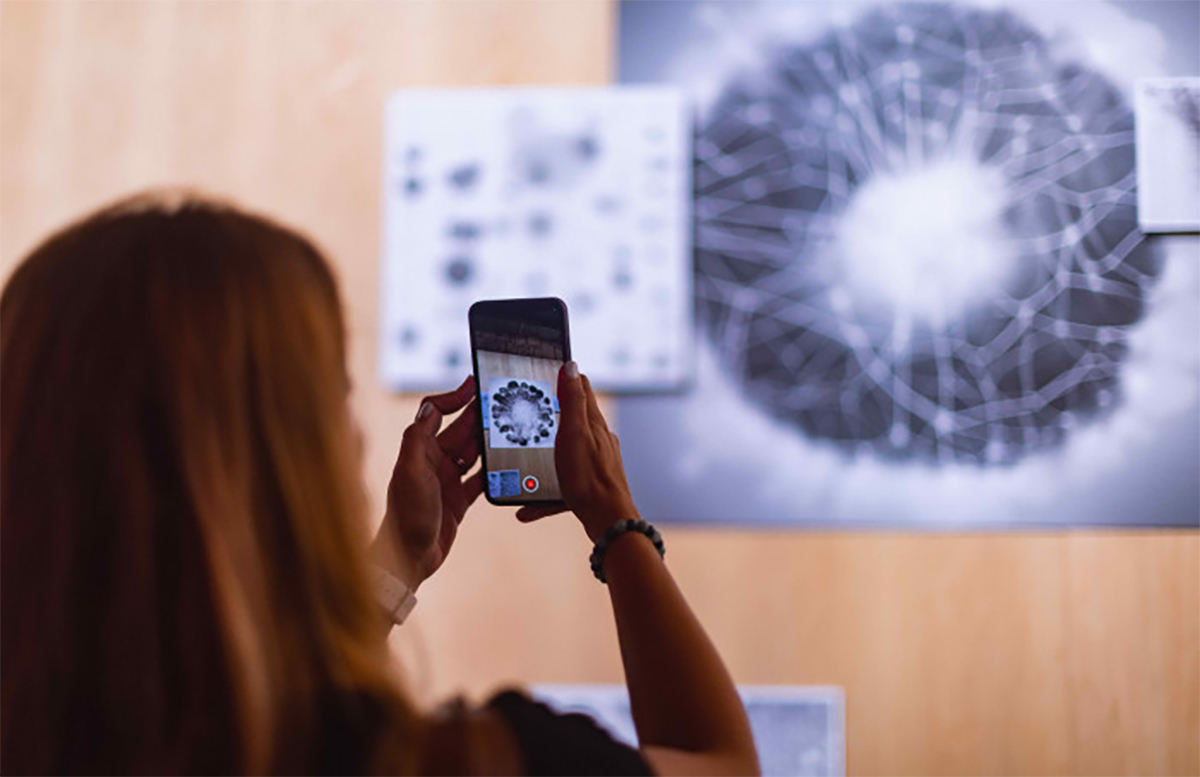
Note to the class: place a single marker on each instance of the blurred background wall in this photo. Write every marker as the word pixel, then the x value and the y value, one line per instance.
pixel 959 654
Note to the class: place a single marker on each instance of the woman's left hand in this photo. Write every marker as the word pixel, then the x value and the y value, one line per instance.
pixel 428 495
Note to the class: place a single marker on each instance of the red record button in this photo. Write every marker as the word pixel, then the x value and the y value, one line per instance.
pixel 530 483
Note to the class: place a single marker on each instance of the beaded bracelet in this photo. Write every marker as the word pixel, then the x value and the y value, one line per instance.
pixel 616 530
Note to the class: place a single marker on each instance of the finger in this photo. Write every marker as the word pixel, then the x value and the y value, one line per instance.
pixel 462 432
pixel 456 449
pixel 446 533
pixel 468 454
pixel 448 471
pixel 418 442
pixel 572 401
pixel 460 494
pixel 595 417
pixel 472 488
pixel 453 401
pixel 434 408
pixel 531 513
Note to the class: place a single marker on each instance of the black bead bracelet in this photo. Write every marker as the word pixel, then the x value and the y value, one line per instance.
pixel 616 530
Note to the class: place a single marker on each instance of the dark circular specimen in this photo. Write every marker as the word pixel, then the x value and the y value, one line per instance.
pixel 587 147
pixel 464 176
pixel 465 230
pixel 540 224
pixel 409 336
pixel 459 271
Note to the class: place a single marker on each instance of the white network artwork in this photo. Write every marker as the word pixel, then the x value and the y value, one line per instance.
pixel 916 236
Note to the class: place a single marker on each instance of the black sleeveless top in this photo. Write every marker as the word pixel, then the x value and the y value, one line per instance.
pixel 557 743
pixel 551 743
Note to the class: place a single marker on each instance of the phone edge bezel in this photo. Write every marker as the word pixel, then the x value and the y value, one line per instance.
pixel 566 328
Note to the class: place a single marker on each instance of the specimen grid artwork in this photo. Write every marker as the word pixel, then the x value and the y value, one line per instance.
pixel 579 193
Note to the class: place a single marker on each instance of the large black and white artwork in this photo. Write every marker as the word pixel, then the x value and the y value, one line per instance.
pixel 922 294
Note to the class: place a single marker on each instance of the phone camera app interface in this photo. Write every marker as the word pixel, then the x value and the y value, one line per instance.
pixel 518 361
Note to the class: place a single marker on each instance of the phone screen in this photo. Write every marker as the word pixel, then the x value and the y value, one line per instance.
pixel 518 347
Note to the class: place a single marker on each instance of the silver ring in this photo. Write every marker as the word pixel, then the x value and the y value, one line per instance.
pixel 462 465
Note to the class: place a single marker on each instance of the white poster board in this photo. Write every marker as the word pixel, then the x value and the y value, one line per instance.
pixel 1168 154
pixel 582 194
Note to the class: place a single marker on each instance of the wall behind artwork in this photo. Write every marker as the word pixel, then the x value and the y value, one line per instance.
pixel 1015 653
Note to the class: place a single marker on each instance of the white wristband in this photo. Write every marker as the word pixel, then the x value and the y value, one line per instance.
pixel 397 599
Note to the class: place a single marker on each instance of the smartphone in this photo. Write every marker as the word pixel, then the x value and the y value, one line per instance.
pixel 517 348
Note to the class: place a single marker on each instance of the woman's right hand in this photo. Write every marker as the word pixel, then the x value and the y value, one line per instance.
pixel 688 715
pixel 588 459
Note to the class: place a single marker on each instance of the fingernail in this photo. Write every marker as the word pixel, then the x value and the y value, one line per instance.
pixel 572 370
pixel 426 409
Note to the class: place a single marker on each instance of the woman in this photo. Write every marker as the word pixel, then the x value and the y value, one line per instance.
pixel 185 585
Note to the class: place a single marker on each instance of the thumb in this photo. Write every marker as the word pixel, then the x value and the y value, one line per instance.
pixel 429 418
pixel 572 400
pixel 531 513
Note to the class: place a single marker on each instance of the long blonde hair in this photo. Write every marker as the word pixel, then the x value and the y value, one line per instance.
pixel 182 525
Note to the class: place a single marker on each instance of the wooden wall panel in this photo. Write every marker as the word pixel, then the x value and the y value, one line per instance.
pixel 1130 663
pixel 969 654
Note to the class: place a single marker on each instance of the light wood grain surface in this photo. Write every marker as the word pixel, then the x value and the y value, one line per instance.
pixel 981 654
